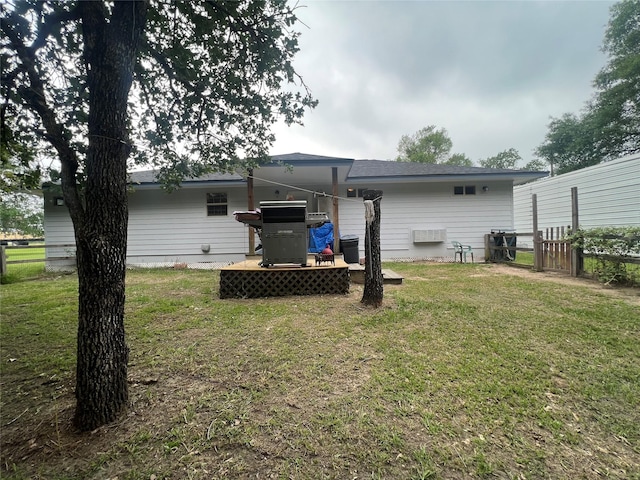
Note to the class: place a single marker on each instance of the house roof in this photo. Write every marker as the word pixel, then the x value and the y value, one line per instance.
pixel 149 177
pixel 363 170
pixel 381 170
pixel 309 160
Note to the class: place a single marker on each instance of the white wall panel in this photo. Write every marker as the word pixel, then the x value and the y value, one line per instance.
pixel 608 195
pixel 171 228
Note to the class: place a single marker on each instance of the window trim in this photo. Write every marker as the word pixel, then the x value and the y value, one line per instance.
pixel 217 196
pixel 464 190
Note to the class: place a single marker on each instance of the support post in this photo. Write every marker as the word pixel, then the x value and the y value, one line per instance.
pixel 335 216
pixel 373 281
pixel 3 260
pixel 537 240
pixel 576 255
pixel 487 247
pixel 251 206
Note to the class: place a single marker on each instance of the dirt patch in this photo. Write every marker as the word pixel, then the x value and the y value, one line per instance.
pixel 626 293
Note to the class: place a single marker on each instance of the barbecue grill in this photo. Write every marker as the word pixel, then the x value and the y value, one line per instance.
pixel 283 229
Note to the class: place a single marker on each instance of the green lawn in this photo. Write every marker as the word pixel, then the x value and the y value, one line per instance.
pixel 467 371
pixel 22 271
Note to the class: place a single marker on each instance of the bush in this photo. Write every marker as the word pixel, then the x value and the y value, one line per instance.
pixel 614 250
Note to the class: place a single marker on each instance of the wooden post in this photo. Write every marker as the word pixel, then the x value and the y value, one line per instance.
pixel 3 260
pixel 537 245
pixel 487 247
pixel 251 206
pixel 577 259
pixel 336 219
pixel 373 281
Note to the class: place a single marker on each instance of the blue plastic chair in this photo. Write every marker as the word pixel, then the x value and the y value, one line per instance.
pixel 461 250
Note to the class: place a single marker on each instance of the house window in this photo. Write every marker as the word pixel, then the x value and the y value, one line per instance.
pixel 464 190
pixel 216 204
pixel 352 192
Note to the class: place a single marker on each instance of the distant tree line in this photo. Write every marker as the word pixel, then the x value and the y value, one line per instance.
pixel 433 145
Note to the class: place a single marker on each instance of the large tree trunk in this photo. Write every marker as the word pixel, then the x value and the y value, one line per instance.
pixel 101 228
pixel 373 281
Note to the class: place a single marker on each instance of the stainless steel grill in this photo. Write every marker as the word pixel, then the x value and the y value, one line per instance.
pixel 283 229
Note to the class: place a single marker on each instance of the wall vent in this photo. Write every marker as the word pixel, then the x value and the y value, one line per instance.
pixel 437 235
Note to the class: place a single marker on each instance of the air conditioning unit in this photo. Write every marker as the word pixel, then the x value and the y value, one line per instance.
pixel 437 235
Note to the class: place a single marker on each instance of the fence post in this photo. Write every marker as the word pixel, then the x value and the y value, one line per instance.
pixel 487 249
pixel 537 250
pixel 576 255
pixel 3 260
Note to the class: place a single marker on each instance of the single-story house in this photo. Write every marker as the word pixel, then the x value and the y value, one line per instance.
pixel 424 208
pixel 608 196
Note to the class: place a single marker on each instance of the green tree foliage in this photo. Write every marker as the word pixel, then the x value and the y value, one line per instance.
pixel 22 215
pixel 616 110
pixel 20 171
pixel 510 158
pixel 609 126
pixel 535 165
pixel 191 87
pixel 427 145
pixel 460 160
pixel 506 159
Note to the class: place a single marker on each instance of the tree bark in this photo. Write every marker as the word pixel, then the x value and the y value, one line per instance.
pixel 110 50
pixel 373 281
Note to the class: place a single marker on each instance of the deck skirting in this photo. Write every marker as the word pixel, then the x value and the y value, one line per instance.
pixel 249 280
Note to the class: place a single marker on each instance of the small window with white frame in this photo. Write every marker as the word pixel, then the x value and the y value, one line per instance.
pixel 217 204
pixel 464 190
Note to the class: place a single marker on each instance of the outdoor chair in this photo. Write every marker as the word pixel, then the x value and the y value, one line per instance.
pixel 461 250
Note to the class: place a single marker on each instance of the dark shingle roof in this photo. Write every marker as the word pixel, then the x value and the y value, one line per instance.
pixel 382 168
pixel 359 170
pixel 149 176
pixel 309 160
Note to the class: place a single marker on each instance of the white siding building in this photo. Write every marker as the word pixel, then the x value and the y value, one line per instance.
pixel 424 208
pixel 608 195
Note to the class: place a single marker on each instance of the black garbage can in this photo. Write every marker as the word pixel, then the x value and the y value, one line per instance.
pixel 511 241
pixel 503 239
pixel 349 248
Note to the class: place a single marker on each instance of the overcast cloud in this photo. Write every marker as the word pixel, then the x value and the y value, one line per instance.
pixel 491 73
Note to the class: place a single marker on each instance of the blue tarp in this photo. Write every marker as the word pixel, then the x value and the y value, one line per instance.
pixel 320 237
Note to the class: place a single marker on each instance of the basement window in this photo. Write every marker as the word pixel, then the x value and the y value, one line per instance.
pixel 216 204
pixel 464 190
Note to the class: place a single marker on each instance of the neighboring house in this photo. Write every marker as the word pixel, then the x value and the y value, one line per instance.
pixel 424 208
pixel 608 195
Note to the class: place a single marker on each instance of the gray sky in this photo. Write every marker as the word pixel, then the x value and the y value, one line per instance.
pixel 491 73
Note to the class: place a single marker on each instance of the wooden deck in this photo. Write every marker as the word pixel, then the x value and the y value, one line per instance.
pixel 389 277
pixel 248 279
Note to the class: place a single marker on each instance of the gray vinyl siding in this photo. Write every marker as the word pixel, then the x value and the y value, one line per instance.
pixel 608 195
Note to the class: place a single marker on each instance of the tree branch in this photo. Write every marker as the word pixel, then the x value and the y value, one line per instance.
pixel 35 99
pixel 51 21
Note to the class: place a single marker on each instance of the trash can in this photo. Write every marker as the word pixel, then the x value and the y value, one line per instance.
pixel 503 239
pixel 349 248
pixel 511 241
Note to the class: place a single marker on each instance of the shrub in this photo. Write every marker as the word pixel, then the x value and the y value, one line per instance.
pixel 615 251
